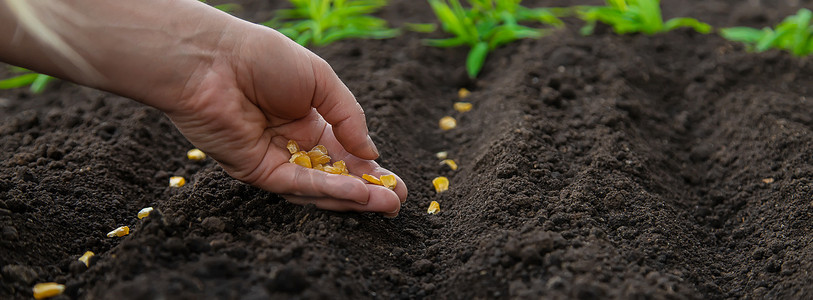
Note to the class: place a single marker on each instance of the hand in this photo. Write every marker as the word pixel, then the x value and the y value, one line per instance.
pixel 244 107
pixel 236 90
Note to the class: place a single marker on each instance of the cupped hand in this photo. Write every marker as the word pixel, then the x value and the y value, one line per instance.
pixel 259 91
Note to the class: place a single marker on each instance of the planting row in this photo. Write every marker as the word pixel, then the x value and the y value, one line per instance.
pixel 485 25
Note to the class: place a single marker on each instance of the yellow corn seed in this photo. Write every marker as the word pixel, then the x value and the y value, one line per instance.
pixel 463 93
pixel 450 163
pixel 292 146
pixel 195 154
pixel 85 258
pixel 119 232
pixel 301 158
pixel 388 181
pixel 447 123
pixel 434 208
pixel 318 157
pixel 319 167
pixel 441 184
pixel 463 106
pixel 341 166
pixel 48 290
pixel 371 179
pixel 177 181
pixel 332 170
pixel 442 155
pixel 144 212
pixel 320 148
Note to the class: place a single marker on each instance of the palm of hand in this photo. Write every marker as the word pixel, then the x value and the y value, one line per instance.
pixel 246 128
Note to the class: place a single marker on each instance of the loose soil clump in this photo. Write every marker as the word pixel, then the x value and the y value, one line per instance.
pixel 670 166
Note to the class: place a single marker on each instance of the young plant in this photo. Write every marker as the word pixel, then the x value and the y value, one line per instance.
pixel 321 22
pixel 36 82
pixel 487 25
pixel 632 16
pixel 794 34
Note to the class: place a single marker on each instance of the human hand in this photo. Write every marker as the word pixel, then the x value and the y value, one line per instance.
pixel 243 107
pixel 236 90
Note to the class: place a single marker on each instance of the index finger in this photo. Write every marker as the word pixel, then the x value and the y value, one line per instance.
pixel 337 105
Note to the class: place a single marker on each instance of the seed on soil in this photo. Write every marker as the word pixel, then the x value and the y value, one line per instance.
pixel 441 184
pixel 144 212
pixel 768 180
pixel 462 93
pixel 292 146
pixel 119 232
pixel 450 163
pixel 371 179
pixel 195 154
pixel 48 290
pixel 85 258
pixel 388 181
pixel 177 181
pixel 447 123
pixel 442 155
pixel 463 106
pixel 434 208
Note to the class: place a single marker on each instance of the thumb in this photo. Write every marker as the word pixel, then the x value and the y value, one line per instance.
pixel 337 105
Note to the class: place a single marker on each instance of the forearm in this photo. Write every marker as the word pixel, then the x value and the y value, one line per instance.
pixel 143 49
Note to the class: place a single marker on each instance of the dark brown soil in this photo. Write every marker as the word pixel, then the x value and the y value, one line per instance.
pixel 675 166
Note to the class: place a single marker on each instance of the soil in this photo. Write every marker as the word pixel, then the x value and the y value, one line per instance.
pixel 674 166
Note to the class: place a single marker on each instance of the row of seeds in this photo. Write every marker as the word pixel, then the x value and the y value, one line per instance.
pixel 441 183
pixel 51 289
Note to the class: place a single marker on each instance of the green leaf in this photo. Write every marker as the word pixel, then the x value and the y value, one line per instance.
pixel 476 59
pixel 420 27
pixel 445 43
pixel 687 22
pixel 40 83
pixel 743 34
pixel 18 81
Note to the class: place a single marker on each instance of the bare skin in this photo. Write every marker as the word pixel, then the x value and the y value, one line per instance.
pixel 236 90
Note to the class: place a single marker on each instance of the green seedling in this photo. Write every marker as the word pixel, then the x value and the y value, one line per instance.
pixel 634 16
pixel 487 25
pixel 36 82
pixel 794 34
pixel 321 22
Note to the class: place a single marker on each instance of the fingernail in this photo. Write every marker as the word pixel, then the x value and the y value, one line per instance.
pixel 371 145
pixel 390 216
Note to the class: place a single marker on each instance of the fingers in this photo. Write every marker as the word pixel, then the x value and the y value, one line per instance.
pixel 295 180
pixel 361 166
pixel 382 200
pixel 338 106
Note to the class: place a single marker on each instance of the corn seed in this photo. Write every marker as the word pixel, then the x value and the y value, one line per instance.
pixel 85 258
pixel 450 163
pixel 47 290
pixel 388 181
pixel 292 146
pixel 441 184
pixel 301 158
pixel 195 154
pixel 177 181
pixel 434 208
pixel 144 212
pixel 371 179
pixel 341 166
pixel 463 93
pixel 447 123
pixel 119 232
pixel 463 106
pixel 442 155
